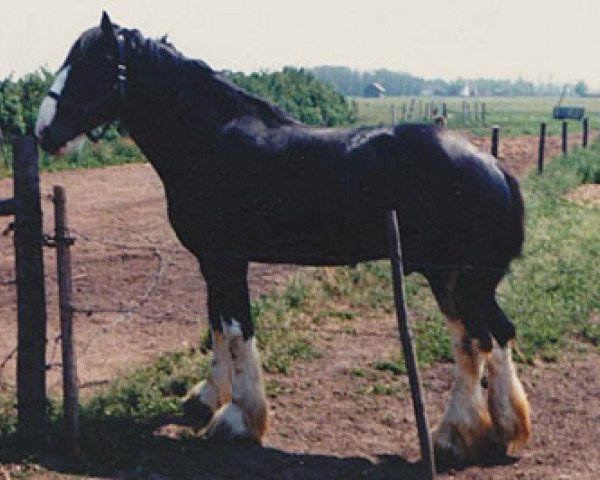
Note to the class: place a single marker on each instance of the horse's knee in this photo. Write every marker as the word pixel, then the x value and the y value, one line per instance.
pixel 507 401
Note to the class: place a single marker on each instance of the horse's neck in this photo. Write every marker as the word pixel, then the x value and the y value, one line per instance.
pixel 175 115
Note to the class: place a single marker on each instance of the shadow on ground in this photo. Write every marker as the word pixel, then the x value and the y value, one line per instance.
pixel 122 448
pixel 127 449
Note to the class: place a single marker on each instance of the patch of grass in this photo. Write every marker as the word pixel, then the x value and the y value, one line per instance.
pixel 379 388
pixel 147 393
pixel 553 290
pixel 396 367
pixel 282 326
pixel 358 372
pixel 275 388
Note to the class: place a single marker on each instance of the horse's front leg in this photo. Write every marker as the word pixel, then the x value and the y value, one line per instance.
pixel 204 399
pixel 233 395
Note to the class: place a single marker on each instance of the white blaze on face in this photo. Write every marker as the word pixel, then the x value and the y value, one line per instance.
pixel 47 112
pixel 48 107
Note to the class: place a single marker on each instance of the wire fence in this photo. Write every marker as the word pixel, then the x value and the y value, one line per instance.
pixel 115 281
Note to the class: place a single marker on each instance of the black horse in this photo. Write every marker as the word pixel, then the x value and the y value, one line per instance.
pixel 246 182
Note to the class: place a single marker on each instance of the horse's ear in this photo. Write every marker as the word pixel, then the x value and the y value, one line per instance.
pixel 107 26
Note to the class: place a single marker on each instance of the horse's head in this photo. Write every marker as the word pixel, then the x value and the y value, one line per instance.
pixel 88 90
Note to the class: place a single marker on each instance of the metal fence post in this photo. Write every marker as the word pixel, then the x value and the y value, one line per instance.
pixel 394 244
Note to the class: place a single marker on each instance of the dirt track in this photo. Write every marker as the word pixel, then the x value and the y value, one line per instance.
pixel 148 298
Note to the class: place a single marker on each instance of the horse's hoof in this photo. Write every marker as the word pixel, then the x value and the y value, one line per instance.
pixel 450 449
pixel 456 449
pixel 229 424
pixel 196 411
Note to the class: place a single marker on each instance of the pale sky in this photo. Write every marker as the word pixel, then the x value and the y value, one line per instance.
pixel 538 40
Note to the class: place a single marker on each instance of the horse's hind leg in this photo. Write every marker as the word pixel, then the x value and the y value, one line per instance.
pixel 473 426
pixel 507 401
pixel 232 398
pixel 466 424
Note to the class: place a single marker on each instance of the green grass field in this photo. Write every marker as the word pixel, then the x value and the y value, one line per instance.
pixel 515 115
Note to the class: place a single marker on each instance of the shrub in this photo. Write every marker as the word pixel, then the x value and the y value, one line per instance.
pixel 300 94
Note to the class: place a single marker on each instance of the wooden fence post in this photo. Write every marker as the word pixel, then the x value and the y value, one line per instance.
pixel 541 147
pixel 565 137
pixel 585 132
pixel 65 290
pixel 31 299
pixel 394 244
pixel 495 139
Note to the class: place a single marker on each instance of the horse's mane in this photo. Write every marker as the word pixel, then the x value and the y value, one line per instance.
pixel 164 53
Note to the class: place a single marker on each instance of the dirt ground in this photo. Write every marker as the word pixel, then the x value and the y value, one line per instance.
pixel 146 297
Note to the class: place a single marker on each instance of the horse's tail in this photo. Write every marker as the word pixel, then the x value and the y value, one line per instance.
pixel 517 217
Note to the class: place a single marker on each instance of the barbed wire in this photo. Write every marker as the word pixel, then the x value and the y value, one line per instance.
pixel 125 313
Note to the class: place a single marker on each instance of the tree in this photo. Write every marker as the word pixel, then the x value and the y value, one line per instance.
pixel 20 101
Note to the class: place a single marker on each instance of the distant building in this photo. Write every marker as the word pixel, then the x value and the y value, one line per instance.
pixel 469 91
pixel 374 90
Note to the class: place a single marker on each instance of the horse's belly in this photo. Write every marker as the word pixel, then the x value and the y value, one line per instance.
pixel 345 238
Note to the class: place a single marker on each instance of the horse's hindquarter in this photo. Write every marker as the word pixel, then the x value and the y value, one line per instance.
pixel 317 196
